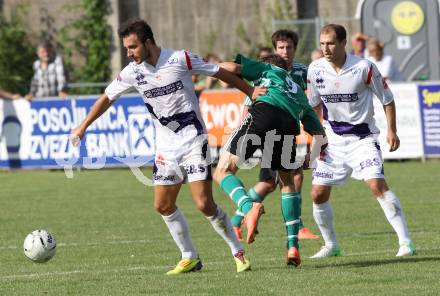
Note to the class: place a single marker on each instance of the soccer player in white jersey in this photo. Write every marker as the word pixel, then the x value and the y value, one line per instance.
pixel 341 88
pixel 163 77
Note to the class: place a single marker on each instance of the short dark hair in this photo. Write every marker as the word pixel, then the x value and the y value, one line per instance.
pixel 276 60
pixel 284 35
pixel 341 33
pixel 45 44
pixel 139 27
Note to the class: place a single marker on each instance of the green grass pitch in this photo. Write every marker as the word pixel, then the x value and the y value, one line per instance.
pixel 112 242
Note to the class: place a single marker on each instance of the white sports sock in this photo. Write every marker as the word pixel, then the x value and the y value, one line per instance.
pixel 323 214
pixel 390 204
pixel 179 230
pixel 222 225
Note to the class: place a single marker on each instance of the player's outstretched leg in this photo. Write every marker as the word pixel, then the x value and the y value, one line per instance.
pixel 220 223
pixel 237 218
pixel 390 204
pixel 323 214
pixel 290 208
pixel 178 228
pixel 235 189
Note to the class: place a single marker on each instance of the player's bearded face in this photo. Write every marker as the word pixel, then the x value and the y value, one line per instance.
pixel 136 50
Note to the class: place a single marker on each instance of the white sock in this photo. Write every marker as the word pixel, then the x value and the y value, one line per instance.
pixel 179 230
pixel 390 204
pixel 323 214
pixel 222 225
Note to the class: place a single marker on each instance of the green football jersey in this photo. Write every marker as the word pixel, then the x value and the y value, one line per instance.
pixel 282 91
pixel 298 73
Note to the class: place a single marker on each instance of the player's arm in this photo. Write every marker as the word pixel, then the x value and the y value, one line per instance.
pixel 380 88
pixel 392 138
pixel 9 96
pixel 99 107
pixel 235 81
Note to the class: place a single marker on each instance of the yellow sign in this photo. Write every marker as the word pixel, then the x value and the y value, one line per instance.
pixel 407 17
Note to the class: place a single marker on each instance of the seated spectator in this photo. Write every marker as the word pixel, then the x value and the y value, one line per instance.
pixel 385 63
pixel 209 82
pixel 264 52
pixel 358 44
pixel 49 79
pixel 8 96
pixel 316 54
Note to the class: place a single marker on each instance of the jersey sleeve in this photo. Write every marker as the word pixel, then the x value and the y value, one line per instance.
pixel 197 65
pixel 119 85
pixel 312 91
pixel 375 81
pixel 250 69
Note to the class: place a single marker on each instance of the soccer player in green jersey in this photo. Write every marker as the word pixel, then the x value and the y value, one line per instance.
pixel 272 123
pixel 284 43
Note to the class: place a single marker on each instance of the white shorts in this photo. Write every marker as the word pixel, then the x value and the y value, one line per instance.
pixel 174 168
pixel 347 156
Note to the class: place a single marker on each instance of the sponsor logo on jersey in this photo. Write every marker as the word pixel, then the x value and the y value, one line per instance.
pixel 320 83
pixel 164 90
pixel 339 98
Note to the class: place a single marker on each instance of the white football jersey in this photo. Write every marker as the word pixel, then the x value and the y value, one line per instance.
pixel 168 93
pixel 347 96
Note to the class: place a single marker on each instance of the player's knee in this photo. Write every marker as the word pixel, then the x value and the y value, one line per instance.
pixel 206 206
pixel 319 195
pixel 164 208
pixel 377 187
pixel 270 185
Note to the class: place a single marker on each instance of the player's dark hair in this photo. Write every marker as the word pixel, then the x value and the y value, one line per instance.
pixel 276 60
pixel 139 27
pixel 340 32
pixel 284 35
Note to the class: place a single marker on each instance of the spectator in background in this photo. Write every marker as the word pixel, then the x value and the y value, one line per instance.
pixel 385 63
pixel 8 96
pixel 209 82
pixel 316 54
pixel 49 79
pixel 358 43
pixel 264 52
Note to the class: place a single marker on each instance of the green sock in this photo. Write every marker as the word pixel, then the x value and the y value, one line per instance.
pixel 237 218
pixel 301 224
pixel 291 210
pixel 255 196
pixel 235 189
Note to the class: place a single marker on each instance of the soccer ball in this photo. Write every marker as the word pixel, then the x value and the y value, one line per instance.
pixel 39 246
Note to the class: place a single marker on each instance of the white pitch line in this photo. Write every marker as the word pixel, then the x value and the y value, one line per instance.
pixel 123 242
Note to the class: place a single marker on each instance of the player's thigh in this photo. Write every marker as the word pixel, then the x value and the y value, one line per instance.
pixel 201 192
pixel 286 181
pixel 165 197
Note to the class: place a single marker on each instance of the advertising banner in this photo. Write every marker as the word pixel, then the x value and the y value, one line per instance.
pixel 409 127
pixel 429 96
pixel 36 134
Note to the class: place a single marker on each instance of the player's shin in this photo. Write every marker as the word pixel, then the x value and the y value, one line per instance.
pixel 323 215
pixel 290 208
pixel 178 228
pixel 235 189
pixel 220 223
pixel 390 204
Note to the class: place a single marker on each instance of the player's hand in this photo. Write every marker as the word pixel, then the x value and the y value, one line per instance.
pixel 76 135
pixel 393 140
pixel 258 91
pixel 319 144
